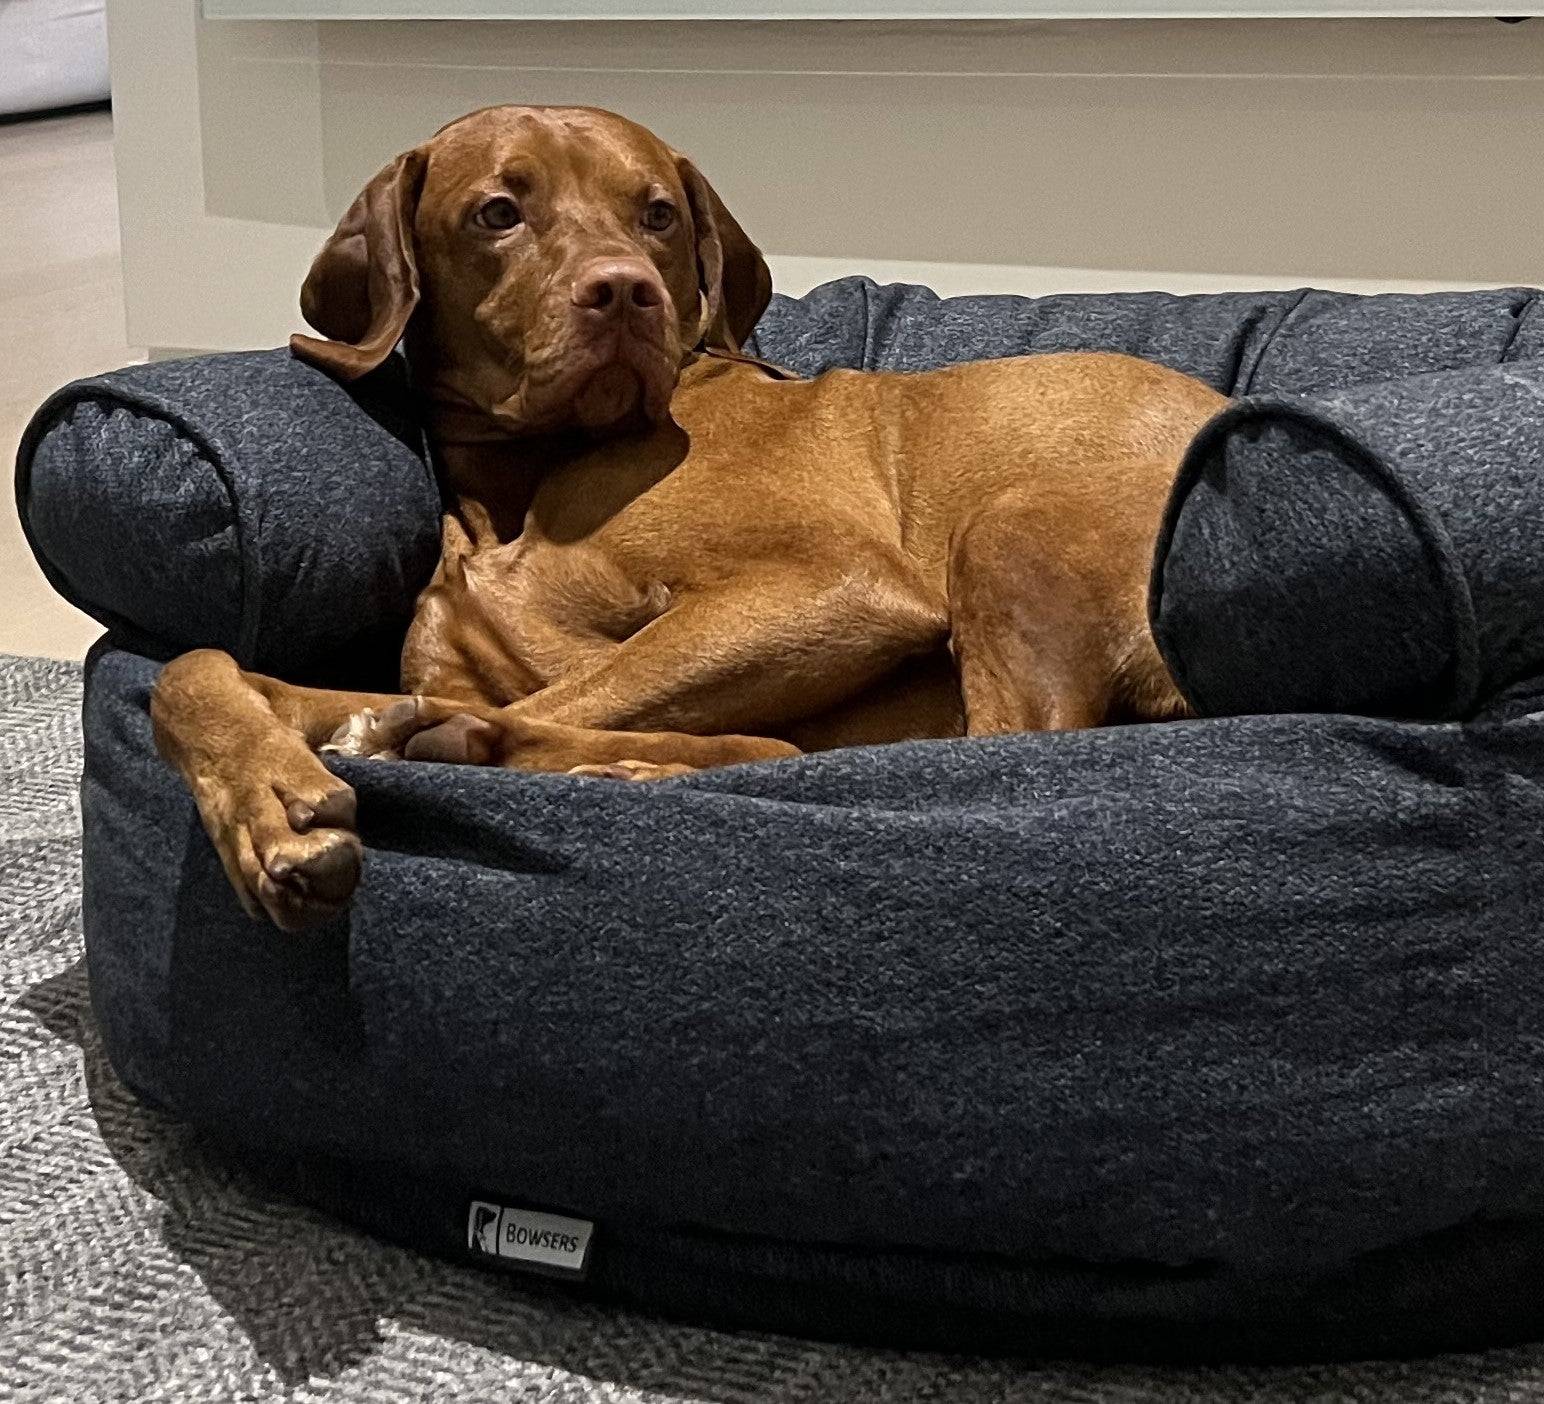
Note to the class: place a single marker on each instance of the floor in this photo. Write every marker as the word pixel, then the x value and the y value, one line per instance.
pixel 61 317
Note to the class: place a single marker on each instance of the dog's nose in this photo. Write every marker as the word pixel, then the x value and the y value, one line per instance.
pixel 614 284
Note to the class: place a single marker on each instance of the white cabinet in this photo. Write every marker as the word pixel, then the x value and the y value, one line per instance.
pixel 996 155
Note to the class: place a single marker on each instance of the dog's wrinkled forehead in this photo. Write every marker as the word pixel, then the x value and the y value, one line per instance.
pixel 511 149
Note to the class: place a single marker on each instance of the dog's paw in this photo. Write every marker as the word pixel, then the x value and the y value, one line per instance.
pixel 309 879
pixel 287 842
pixel 376 735
pixel 418 729
pixel 458 739
pixel 632 770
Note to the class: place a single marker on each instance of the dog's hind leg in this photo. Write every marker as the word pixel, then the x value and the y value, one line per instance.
pixel 1048 622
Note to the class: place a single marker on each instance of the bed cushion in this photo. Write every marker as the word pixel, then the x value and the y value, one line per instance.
pixel 244 502
pixel 1216 1039
pixel 1373 550
pixel 1294 342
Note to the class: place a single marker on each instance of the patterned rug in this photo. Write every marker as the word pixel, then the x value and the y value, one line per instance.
pixel 136 1266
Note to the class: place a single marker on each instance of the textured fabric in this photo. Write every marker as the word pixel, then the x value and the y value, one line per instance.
pixel 139 1264
pixel 1208 1038
pixel 1372 551
pixel 245 502
pixel 1239 343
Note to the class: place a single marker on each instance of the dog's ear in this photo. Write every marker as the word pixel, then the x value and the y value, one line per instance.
pixel 736 283
pixel 363 286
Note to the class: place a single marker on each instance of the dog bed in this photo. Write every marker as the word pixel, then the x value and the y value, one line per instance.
pixel 1213 1039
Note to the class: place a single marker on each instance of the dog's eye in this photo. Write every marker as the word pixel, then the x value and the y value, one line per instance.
pixel 498 214
pixel 659 216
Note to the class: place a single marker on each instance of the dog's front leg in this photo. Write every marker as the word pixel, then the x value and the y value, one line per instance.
pixel 754 658
pixel 708 683
pixel 459 733
pixel 281 822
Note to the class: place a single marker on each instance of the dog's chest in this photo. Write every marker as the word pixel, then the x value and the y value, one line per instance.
pixel 515 618
pixel 610 541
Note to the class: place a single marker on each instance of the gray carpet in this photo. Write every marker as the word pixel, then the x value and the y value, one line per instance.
pixel 135 1265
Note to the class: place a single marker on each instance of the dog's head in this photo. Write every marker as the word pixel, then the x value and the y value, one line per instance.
pixel 550 267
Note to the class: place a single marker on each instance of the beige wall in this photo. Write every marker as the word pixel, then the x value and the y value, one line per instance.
pixel 997 155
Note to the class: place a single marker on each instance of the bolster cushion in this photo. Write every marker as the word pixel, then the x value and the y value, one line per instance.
pixel 1305 341
pixel 1372 551
pixel 245 502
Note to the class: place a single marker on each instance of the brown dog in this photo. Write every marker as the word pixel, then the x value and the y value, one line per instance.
pixel 663 555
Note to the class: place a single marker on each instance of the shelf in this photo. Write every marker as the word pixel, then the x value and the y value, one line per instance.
pixel 846 9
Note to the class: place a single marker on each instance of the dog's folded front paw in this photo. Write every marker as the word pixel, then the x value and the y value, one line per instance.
pixel 377 734
pixel 418 729
pixel 308 878
pixel 458 739
pixel 286 839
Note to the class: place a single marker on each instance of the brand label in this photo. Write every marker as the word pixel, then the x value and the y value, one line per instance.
pixel 543 1242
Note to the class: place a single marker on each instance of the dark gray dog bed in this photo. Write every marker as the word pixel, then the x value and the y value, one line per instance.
pixel 1219 1038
